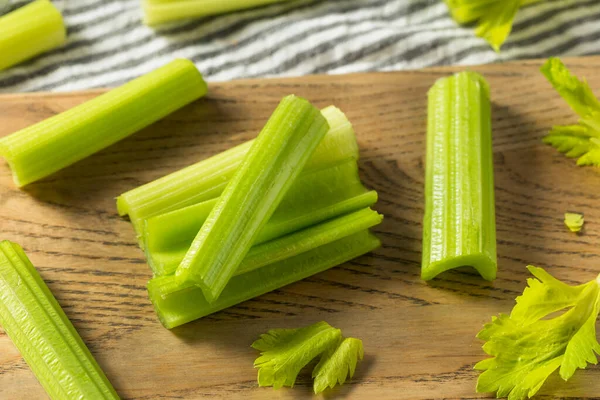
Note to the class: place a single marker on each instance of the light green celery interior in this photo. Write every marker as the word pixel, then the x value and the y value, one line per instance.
pixel 316 196
pixel 34 321
pixel 269 169
pixel 207 179
pixel 291 245
pixel 459 223
pixel 185 306
pixel 28 31
pixel 162 11
pixel 48 146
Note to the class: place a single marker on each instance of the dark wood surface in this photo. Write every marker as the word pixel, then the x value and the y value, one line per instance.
pixel 419 338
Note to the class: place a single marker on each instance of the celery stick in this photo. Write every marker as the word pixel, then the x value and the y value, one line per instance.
pixel 316 196
pixel 39 328
pixel 161 11
pixel 29 31
pixel 207 179
pixel 48 146
pixel 185 306
pixel 459 225
pixel 272 164
pixel 291 245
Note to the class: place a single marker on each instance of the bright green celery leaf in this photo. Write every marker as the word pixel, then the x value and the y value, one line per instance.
pixel 494 17
pixel 185 306
pixel 459 224
pixel 35 322
pixel 574 221
pixel 158 12
pixel 269 169
pixel 206 179
pixel 285 352
pixel 288 246
pixel 316 196
pixel 580 141
pixel 59 141
pixel 28 31
pixel 337 364
pixel 529 345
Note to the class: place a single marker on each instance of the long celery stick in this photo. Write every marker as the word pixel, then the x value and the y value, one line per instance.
pixel 289 246
pixel 271 166
pixel 206 179
pixel 459 225
pixel 185 306
pixel 314 197
pixel 161 11
pixel 28 31
pixel 48 146
pixel 39 328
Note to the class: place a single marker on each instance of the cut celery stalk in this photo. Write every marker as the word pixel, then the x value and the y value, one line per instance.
pixel 207 179
pixel 271 166
pixel 185 306
pixel 29 31
pixel 316 196
pixel 39 328
pixel 48 146
pixel 459 225
pixel 161 11
pixel 289 246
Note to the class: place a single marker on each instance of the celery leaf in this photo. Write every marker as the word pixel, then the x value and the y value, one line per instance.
pixel 532 342
pixel 337 364
pixel 574 221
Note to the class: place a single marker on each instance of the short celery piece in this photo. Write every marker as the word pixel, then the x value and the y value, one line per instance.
pixel 59 141
pixel 206 179
pixel 314 197
pixel 287 246
pixel 161 11
pixel 459 225
pixel 39 328
pixel 29 31
pixel 185 306
pixel 269 169
pixel 574 221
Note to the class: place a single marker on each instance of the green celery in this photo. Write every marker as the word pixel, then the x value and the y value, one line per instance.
pixel 206 179
pixel 269 169
pixel 316 196
pixel 29 31
pixel 161 11
pixel 289 246
pixel 59 141
pixel 459 225
pixel 185 306
pixel 39 328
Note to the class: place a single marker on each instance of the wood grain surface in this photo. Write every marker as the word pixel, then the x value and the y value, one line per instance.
pixel 419 338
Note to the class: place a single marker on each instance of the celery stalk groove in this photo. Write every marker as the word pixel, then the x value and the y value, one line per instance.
pixel 48 146
pixel 267 172
pixel 459 224
pixel 39 328
pixel 29 31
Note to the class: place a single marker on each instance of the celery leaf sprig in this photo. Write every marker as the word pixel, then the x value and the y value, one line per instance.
pixel 582 140
pixel 284 352
pixel 532 343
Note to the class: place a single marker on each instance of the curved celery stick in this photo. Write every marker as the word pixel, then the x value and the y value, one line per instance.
pixel 289 246
pixel 39 328
pixel 185 306
pixel 316 196
pixel 206 179
pixel 459 226
pixel 271 166
pixel 28 31
pixel 161 11
pixel 59 141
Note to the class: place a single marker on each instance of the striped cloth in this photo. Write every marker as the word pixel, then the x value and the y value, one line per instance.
pixel 108 45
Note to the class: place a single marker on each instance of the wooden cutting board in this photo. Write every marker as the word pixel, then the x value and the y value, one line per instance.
pixel 419 338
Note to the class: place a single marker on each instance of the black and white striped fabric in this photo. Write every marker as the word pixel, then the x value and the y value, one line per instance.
pixel 108 45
